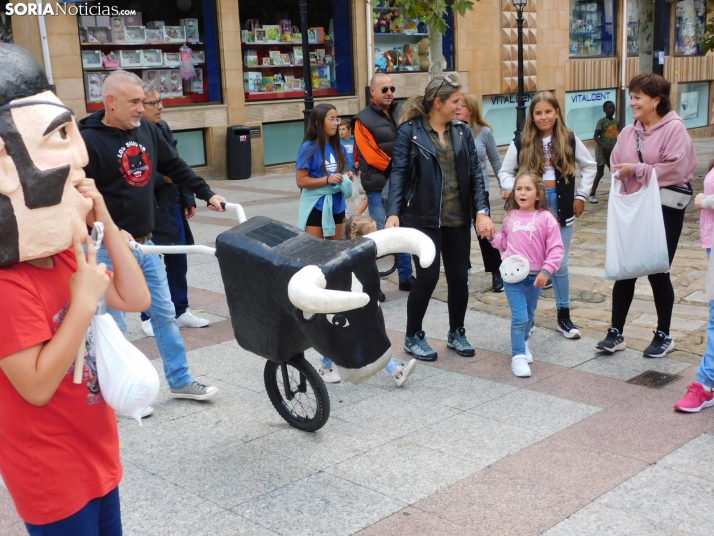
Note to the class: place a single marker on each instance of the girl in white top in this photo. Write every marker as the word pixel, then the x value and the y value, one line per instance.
pixel 552 150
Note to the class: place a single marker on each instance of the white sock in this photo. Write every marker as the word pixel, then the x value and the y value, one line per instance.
pixel 707 388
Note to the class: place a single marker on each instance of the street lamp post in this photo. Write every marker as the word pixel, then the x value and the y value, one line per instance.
pixel 521 100
pixel 306 73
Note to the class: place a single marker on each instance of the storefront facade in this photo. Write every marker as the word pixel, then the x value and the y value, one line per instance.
pixel 247 62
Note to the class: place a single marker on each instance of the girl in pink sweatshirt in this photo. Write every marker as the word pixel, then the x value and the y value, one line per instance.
pixel 531 231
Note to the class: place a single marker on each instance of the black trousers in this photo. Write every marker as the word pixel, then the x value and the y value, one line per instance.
pixel 454 245
pixel 490 255
pixel 624 290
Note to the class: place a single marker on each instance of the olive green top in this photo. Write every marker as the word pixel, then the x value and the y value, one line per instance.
pixel 452 211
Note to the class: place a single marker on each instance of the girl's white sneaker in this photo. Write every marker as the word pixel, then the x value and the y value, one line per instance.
pixel 519 366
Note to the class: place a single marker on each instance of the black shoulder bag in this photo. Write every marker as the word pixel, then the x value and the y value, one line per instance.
pixel 676 197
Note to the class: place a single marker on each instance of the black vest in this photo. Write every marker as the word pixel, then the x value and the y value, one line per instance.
pixel 384 131
pixel 566 190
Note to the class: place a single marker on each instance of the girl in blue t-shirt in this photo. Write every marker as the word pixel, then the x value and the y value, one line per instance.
pixel 320 166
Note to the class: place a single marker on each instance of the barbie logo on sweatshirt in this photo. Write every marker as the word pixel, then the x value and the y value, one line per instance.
pixel 135 164
pixel 518 226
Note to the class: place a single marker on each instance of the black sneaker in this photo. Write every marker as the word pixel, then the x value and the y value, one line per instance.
pixel 456 340
pixel 566 326
pixel 661 345
pixel 497 281
pixel 548 285
pixel 407 284
pixel 381 296
pixel 419 348
pixel 613 342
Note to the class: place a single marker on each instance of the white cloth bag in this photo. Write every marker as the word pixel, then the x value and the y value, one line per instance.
pixel 636 241
pixel 128 381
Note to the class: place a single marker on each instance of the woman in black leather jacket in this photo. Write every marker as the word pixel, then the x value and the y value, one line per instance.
pixel 436 186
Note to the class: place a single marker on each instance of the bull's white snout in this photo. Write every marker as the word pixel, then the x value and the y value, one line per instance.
pixel 306 291
pixel 404 240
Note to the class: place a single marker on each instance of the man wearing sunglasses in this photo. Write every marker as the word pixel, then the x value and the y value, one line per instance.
pixel 375 133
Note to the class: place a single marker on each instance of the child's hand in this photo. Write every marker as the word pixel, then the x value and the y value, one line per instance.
pixel 698 201
pixel 540 281
pixel 99 211
pixel 90 282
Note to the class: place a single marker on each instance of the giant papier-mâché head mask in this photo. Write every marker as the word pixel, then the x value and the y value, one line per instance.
pixel 42 156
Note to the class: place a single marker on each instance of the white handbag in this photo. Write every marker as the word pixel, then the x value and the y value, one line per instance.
pixel 636 243
pixel 515 268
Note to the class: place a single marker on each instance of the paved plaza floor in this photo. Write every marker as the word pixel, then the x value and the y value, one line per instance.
pixel 463 448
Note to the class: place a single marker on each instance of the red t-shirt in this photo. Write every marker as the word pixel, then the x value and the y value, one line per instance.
pixel 55 458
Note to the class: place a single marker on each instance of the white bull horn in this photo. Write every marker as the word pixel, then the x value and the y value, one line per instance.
pixel 307 292
pixel 404 240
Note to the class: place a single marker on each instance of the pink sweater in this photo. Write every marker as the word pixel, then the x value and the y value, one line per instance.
pixel 666 147
pixel 546 248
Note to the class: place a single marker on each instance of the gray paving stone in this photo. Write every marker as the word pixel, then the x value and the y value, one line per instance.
pixel 695 458
pixel 319 504
pixel 383 470
pixel 551 347
pixel 224 522
pixel 598 520
pixel 666 497
pixel 204 233
pixel 475 438
pixel 337 441
pixel 456 390
pixel 627 364
pixel 205 281
pixel 535 411
pixel 407 414
pixel 234 474
pixel 141 492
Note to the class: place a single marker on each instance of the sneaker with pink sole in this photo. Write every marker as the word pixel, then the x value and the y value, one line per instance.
pixel 696 399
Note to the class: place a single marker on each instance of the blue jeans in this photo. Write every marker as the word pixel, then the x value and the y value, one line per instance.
pixel 561 278
pixel 705 372
pixel 378 213
pixel 99 517
pixel 163 317
pixel 523 300
pixel 327 364
pixel 176 269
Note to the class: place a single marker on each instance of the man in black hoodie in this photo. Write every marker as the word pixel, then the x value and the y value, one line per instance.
pixel 125 151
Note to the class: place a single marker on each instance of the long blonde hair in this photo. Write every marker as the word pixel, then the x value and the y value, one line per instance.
pixel 531 155
pixel 441 86
pixel 473 106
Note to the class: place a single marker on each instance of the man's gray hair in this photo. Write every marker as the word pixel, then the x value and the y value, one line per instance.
pixel 118 79
pixel 148 87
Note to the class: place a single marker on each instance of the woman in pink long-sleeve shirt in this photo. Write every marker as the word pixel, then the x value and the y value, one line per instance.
pixel 658 140
pixel 531 231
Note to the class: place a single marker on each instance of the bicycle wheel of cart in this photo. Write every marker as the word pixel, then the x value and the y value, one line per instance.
pixel 298 393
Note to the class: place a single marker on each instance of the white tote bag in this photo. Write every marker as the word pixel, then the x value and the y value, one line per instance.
pixel 636 241
pixel 128 381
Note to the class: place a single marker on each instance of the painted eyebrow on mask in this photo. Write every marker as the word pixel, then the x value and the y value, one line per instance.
pixel 61 119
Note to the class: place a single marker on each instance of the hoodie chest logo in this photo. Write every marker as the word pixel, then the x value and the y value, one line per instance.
pixel 135 164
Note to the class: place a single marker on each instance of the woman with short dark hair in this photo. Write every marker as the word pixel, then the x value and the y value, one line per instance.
pixel 657 142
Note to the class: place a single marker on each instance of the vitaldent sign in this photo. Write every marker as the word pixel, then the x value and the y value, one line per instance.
pixel 500 112
pixel 583 109
pixel 20 9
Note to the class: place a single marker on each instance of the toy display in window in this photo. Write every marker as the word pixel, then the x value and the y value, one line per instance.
pixel 186 66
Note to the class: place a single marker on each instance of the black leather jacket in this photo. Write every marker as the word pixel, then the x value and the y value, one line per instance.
pixel 415 181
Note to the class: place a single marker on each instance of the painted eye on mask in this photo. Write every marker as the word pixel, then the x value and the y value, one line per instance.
pixel 59 134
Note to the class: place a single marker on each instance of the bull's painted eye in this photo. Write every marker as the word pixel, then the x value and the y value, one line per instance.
pixel 338 320
pixel 59 134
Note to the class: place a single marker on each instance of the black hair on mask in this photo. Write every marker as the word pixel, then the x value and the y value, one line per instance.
pixel 22 76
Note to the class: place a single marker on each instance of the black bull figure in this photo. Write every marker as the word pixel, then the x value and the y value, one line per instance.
pixel 288 291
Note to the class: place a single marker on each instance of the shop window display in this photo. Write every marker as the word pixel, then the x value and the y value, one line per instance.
pixel 690 18
pixel 175 46
pixel 403 46
pixel 272 48
pixel 592 25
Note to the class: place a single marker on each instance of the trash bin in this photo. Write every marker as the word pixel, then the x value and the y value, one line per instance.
pixel 238 152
